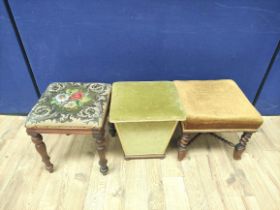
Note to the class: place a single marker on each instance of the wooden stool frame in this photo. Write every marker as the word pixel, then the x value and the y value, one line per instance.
pixel 99 135
pixel 239 148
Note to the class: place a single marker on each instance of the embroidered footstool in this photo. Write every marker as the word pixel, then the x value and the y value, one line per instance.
pixel 70 108
pixel 145 115
pixel 216 106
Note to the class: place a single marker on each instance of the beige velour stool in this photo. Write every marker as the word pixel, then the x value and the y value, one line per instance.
pixel 216 106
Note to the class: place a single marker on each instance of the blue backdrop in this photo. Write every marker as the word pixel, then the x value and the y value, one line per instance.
pixel 269 100
pixel 17 94
pixel 106 41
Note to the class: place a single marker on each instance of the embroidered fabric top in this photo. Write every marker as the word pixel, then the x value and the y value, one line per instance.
pixel 71 105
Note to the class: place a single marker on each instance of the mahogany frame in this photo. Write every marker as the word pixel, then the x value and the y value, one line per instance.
pixel 239 148
pixel 98 134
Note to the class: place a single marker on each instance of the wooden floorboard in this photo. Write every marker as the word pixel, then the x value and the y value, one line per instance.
pixel 208 178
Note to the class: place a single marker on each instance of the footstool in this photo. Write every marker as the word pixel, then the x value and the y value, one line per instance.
pixel 216 106
pixel 145 115
pixel 70 108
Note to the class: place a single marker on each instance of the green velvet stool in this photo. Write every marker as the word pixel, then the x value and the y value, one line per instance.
pixel 145 115
pixel 70 108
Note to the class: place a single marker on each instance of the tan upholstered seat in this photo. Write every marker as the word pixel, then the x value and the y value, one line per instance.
pixel 217 105
pixel 71 105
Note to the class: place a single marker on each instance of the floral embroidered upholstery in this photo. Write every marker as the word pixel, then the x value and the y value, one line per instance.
pixel 71 105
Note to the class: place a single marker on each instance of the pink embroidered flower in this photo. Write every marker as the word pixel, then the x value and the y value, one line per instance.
pixel 76 96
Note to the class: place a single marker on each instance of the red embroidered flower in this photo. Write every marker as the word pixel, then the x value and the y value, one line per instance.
pixel 76 96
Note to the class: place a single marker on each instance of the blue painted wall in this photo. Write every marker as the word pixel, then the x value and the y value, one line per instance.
pixel 269 100
pixel 70 40
pixel 17 94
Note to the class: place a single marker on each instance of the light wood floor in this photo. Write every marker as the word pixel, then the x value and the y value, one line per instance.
pixel 207 179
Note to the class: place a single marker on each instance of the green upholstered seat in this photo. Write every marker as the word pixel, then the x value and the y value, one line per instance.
pixel 145 115
pixel 71 105
pixel 145 101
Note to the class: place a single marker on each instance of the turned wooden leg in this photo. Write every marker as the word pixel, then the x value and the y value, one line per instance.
pixel 101 148
pixel 182 145
pixel 241 146
pixel 40 146
pixel 112 129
